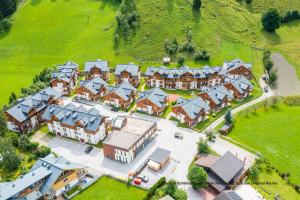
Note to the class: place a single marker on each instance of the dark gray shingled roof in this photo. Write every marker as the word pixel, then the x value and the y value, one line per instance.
pixel 123 90
pixel 131 68
pixel 227 167
pixel 70 114
pixel 217 93
pixel 155 95
pixel 100 64
pixel 192 106
pixel 37 101
pixel 93 85
pixel 160 155
pixel 65 71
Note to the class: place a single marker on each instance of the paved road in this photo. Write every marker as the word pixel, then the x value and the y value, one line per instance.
pixel 221 146
pixel 288 82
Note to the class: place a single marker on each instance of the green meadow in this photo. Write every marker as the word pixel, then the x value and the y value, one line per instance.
pixel 47 32
pixel 274 133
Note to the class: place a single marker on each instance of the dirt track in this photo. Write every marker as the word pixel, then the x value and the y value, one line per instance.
pixel 288 82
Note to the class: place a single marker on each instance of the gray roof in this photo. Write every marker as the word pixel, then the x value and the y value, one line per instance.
pixel 204 72
pixel 132 132
pixel 37 101
pixel 192 106
pixel 176 73
pixel 130 68
pixel 155 95
pixel 65 71
pixel 231 65
pixel 218 93
pixel 70 114
pixel 13 188
pixel 160 155
pixel 100 64
pixel 228 195
pixel 228 167
pixel 94 85
pixel 123 90
pixel 55 165
pixel 241 84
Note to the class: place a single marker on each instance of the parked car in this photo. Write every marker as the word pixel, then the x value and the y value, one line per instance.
pixel 178 135
pixel 89 149
pixel 114 109
pixel 144 178
pixel 137 181
pixel 266 89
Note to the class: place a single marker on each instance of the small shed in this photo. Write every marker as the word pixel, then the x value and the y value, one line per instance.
pixel 158 159
pixel 166 60
pixel 225 129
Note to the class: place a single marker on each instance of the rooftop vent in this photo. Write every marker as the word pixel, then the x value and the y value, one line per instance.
pixel 92 119
pixel 74 115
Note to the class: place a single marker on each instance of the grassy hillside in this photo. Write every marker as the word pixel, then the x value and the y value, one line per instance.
pixel 47 32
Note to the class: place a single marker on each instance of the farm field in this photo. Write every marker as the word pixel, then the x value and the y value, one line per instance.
pixel 274 133
pixel 46 33
pixel 109 189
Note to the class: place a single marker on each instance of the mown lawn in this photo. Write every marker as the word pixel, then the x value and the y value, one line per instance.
pixel 109 189
pixel 274 133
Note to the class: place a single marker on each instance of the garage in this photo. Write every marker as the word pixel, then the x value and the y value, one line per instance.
pixel 158 159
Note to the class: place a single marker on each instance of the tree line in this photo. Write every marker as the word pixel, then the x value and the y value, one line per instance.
pixel 7 8
pixel 11 142
pixel 271 19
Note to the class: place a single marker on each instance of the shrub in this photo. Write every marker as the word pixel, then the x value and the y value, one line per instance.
pixel 152 190
pixel 171 187
pixel 42 151
pixel 180 194
pixel 292 100
pixel 198 177
pixel 12 137
pixel 5 25
pixel 180 61
pixel 203 146
pixel 254 173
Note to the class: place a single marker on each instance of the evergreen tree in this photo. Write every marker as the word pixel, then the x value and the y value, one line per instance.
pixel 271 20
pixel 196 4
pixel 228 117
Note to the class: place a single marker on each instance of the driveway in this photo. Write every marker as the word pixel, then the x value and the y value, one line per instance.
pixel 288 82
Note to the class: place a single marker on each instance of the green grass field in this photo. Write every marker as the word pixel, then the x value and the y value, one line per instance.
pixel 48 32
pixel 109 189
pixel 274 133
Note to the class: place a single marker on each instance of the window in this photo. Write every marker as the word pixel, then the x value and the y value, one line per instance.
pixel 89 141
pixel 88 135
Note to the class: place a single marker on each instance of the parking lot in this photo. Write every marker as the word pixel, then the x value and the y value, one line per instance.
pixel 182 151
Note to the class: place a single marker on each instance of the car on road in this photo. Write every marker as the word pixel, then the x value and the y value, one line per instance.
pixel 178 135
pixel 114 109
pixel 144 178
pixel 266 89
pixel 89 149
